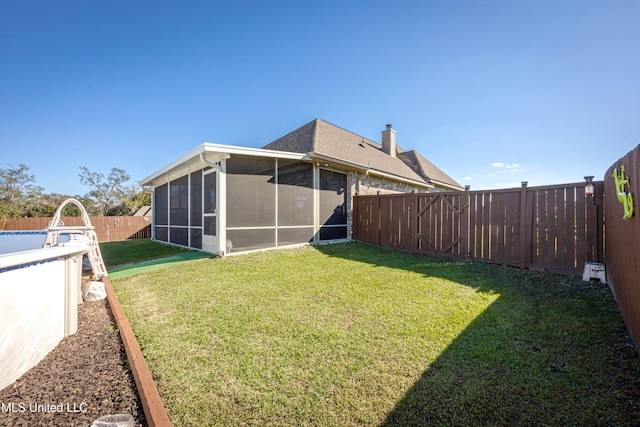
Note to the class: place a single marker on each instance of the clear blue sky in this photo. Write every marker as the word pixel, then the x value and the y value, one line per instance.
pixel 493 92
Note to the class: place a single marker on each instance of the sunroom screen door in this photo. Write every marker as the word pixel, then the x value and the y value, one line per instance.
pixel 333 205
pixel 210 212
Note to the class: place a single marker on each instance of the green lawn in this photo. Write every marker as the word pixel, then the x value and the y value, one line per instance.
pixel 128 251
pixel 345 335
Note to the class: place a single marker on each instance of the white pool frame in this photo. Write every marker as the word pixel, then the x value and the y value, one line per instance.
pixel 39 300
pixel 40 289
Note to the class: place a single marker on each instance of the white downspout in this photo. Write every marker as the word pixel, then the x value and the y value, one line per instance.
pixel 204 160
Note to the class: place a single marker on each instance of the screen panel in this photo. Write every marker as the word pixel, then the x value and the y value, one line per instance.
pixel 195 193
pixel 333 233
pixel 210 225
pixel 162 234
pixel 295 193
pixel 293 236
pixel 196 238
pixel 161 200
pixel 179 189
pixel 179 236
pixel 333 198
pixel 251 192
pixel 247 240
pixel 210 194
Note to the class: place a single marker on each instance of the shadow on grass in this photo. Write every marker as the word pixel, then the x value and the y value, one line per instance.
pixel 550 350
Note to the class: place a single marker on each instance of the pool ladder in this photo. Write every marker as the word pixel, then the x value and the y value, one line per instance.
pixel 79 235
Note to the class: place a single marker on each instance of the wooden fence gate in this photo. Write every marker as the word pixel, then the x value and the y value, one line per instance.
pixel 552 228
pixel 440 224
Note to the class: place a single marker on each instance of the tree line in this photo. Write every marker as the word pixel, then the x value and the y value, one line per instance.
pixel 108 195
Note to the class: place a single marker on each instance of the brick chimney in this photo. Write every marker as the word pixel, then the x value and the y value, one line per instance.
pixel 389 141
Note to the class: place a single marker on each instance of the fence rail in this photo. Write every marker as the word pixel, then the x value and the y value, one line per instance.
pixel 552 228
pixel 107 228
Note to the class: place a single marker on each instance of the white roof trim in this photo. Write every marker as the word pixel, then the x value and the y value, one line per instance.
pixel 234 149
pixel 443 184
pixel 225 151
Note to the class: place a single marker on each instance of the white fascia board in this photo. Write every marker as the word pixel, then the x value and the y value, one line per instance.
pixel 173 165
pixel 452 187
pixel 364 168
pixel 192 159
pixel 248 151
pixel 330 159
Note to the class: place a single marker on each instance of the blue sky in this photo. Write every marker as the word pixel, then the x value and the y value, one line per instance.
pixel 493 92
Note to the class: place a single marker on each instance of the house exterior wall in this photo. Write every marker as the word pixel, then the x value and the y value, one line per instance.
pixel 359 184
pixel 368 185
pixel 259 202
pixel 263 201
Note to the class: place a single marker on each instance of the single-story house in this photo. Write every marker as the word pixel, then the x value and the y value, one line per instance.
pixel 296 190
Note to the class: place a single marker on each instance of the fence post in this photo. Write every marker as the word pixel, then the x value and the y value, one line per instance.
pixel 379 225
pixel 354 218
pixel 599 201
pixel 465 212
pixel 414 222
pixel 523 225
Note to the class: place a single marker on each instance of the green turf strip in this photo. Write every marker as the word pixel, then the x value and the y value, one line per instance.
pixel 154 264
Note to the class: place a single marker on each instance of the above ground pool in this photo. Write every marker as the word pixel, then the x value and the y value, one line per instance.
pixel 40 284
pixel 19 241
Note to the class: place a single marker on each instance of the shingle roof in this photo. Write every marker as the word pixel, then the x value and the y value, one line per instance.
pixel 427 170
pixel 325 139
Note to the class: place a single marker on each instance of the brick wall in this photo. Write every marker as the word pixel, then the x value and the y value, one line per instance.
pixel 374 185
pixel 368 185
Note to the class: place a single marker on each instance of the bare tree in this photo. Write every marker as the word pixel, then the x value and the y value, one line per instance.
pixel 17 192
pixel 107 192
pixel 17 186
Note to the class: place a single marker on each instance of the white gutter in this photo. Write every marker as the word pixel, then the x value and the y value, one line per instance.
pixel 204 160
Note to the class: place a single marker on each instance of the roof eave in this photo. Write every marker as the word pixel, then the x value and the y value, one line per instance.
pixel 367 169
pixel 192 159
pixel 450 186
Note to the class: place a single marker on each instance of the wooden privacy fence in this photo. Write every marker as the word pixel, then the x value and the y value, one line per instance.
pixel 108 228
pixel 552 228
pixel 623 240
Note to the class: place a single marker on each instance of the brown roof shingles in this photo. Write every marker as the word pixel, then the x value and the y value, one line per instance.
pixel 323 138
pixel 427 170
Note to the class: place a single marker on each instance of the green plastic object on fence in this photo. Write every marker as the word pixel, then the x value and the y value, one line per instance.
pixel 625 198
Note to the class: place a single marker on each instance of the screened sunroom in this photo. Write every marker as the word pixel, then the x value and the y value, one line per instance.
pixel 226 199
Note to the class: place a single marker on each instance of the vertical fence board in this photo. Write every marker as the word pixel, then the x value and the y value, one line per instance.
pixel 549 228
pixel 472 240
pixel 496 224
pixel 623 242
pixel 569 256
pixel 107 228
pixel 514 236
pixel 550 225
pixel 581 230
pixel 529 226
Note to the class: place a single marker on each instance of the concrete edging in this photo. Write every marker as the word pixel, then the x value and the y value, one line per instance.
pixel 154 410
